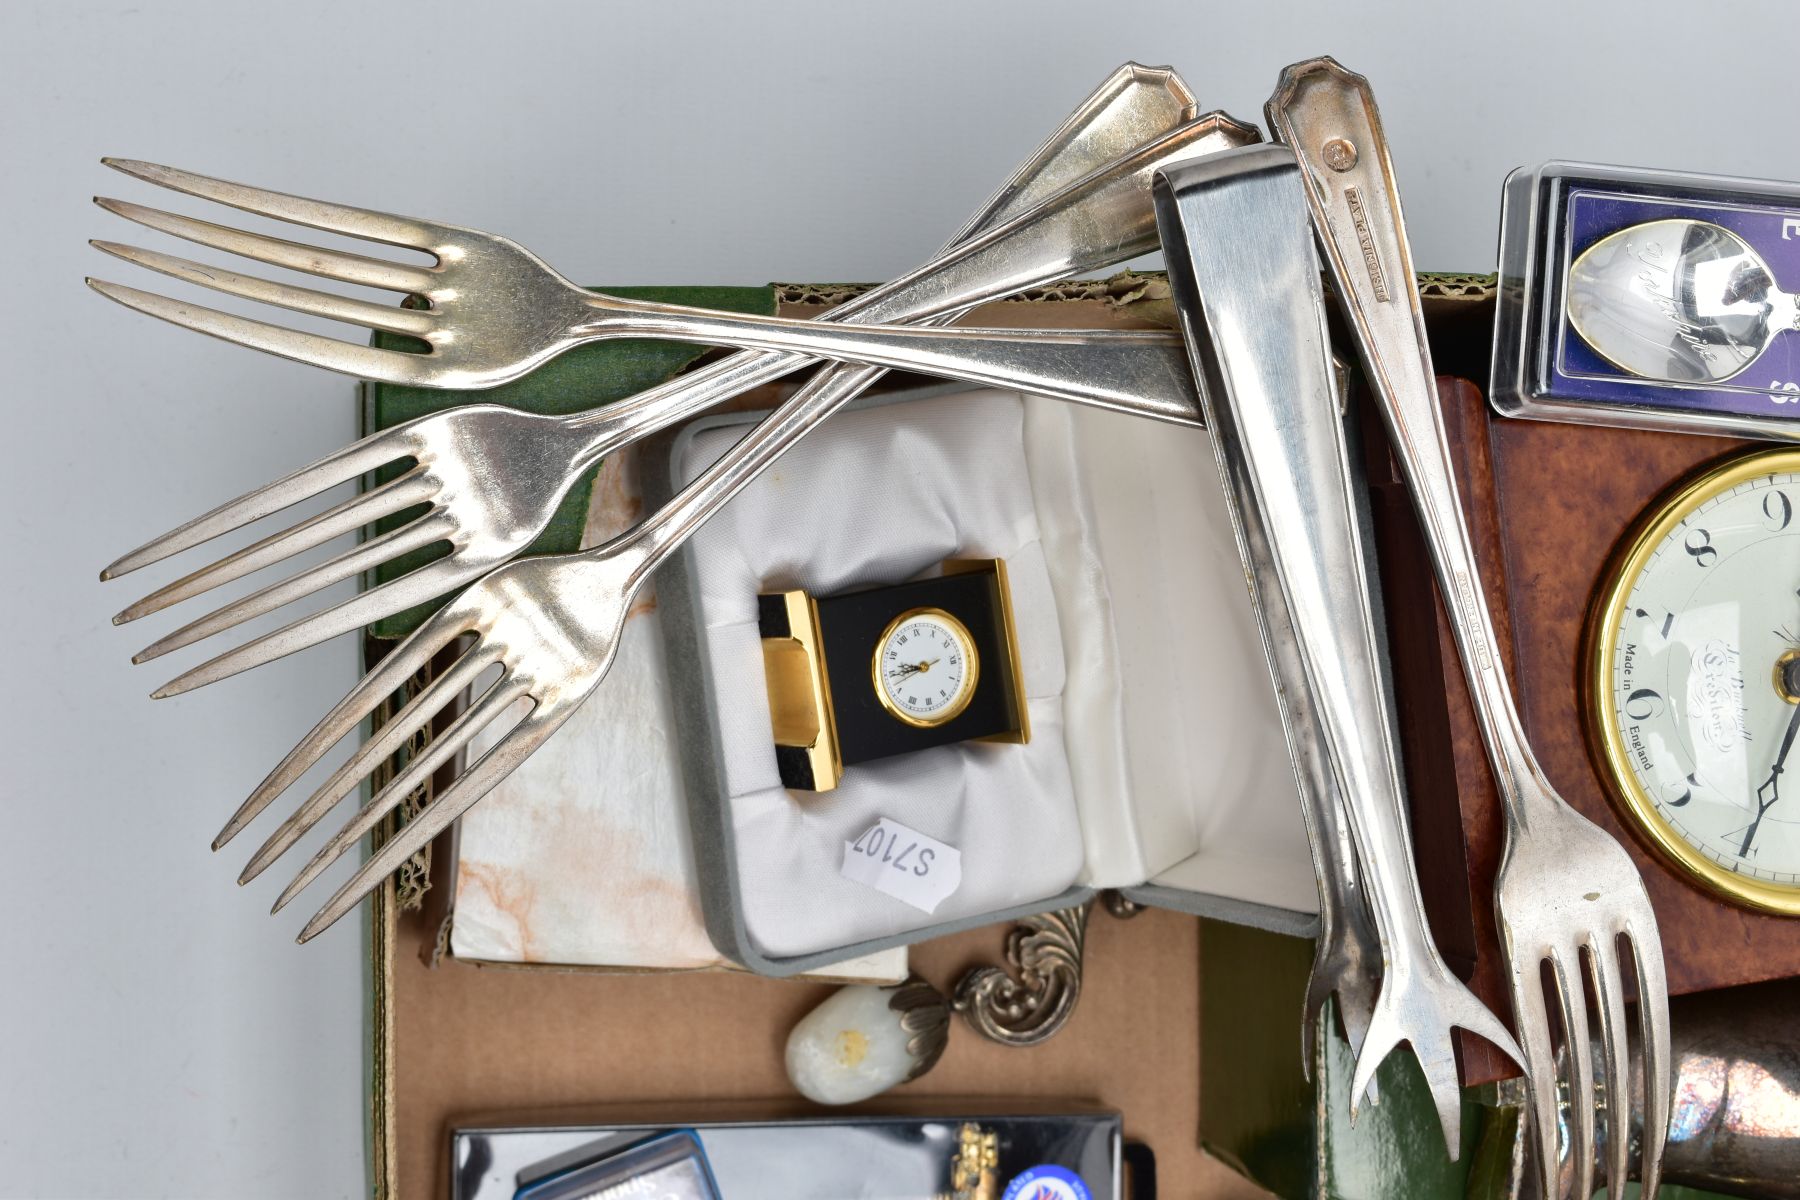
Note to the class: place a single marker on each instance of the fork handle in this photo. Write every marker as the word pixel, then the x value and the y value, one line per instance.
pixel 1144 363
pixel 1103 218
pixel 1141 373
pixel 658 536
pixel 1327 116
pixel 1100 219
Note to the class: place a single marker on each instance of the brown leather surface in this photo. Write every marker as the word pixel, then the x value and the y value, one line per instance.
pixel 1547 504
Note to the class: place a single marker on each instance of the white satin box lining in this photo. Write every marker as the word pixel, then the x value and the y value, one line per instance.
pixel 1157 753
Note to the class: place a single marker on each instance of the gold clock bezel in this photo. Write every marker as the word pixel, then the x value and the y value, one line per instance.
pixel 1627 564
pixel 957 706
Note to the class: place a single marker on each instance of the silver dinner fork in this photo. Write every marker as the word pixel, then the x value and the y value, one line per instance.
pixel 491 477
pixel 1567 893
pixel 494 311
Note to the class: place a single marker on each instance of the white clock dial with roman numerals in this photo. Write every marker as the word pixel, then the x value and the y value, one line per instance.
pixel 1697 680
pixel 925 667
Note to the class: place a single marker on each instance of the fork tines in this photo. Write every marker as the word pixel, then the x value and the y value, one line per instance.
pixel 422 711
pixel 1594 965
pixel 411 488
pixel 340 266
pixel 425 712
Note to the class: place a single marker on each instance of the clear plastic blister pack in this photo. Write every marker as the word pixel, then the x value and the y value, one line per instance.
pixel 666 1166
pixel 915 1154
pixel 1649 298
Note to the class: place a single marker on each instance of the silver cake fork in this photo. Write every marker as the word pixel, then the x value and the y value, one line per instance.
pixel 491 477
pixel 1567 893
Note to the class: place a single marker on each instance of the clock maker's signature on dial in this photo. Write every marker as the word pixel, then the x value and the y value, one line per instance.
pixel 1716 697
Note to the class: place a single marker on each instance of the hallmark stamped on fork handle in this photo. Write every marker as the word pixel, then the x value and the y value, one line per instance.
pixel 1365 240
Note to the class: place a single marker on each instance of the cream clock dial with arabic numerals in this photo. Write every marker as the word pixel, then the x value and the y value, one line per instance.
pixel 1694 690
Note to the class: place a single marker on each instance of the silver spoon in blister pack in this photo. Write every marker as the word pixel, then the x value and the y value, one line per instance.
pixel 1239 247
pixel 1567 895
pixel 491 477
pixel 1680 300
pixel 550 625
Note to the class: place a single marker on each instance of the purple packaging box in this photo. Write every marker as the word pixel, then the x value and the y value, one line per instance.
pixel 1543 369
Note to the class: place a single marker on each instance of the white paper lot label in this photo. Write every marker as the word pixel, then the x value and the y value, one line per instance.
pixel 907 865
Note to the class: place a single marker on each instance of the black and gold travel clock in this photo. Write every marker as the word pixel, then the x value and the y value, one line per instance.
pixel 890 670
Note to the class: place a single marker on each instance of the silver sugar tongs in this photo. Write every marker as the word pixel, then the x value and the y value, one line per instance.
pixel 1238 240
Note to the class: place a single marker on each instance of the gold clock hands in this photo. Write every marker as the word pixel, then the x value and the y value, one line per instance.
pixel 1772 784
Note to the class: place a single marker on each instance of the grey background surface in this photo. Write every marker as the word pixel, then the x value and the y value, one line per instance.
pixel 160 1035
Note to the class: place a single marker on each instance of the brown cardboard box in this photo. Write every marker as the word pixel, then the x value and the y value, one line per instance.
pixel 459 1039
pixel 462 1040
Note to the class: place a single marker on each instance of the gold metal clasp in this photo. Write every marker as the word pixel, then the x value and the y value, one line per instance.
pixel 800 691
